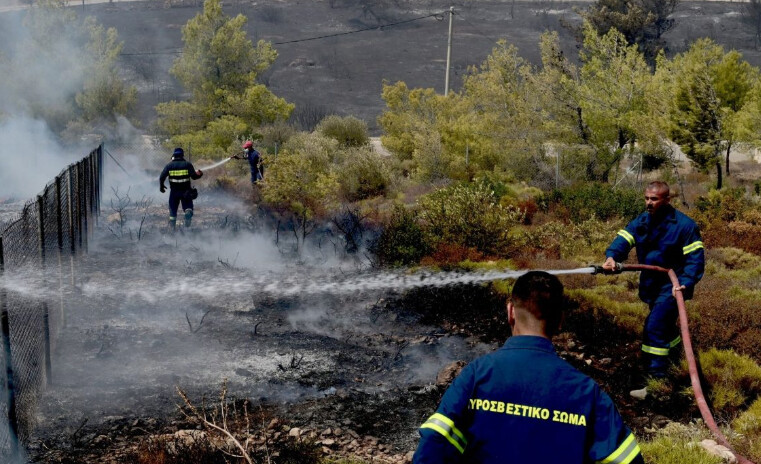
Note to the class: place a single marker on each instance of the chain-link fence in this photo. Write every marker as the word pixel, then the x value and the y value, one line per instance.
pixel 52 229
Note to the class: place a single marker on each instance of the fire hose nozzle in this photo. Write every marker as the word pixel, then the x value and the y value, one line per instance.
pixel 601 270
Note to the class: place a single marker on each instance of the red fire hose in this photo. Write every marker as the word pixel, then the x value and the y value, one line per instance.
pixel 688 353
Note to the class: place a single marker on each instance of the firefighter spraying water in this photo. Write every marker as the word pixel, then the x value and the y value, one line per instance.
pixel 180 172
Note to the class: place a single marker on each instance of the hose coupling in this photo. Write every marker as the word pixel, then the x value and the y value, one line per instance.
pixel 619 268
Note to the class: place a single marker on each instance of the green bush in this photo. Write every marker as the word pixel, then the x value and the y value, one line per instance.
pixel 348 131
pixel 363 174
pixel 402 241
pixel 582 201
pixel 733 380
pixel 584 241
pixel 726 204
pixel 748 426
pixel 469 215
pixel 677 444
pixel 734 258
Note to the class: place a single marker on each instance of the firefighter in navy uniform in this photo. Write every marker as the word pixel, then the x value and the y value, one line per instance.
pixel 667 238
pixel 523 403
pixel 179 171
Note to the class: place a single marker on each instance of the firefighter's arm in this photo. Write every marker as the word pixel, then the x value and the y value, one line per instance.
pixel 194 174
pixel 162 178
pixel 619 248
pixel 694 258
pixel 442 438
pixel 613 442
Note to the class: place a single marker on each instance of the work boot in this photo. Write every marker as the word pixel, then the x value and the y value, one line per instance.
pixel 172 224
pixel 188 217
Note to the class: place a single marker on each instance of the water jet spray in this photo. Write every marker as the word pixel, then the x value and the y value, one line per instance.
pixel 215 165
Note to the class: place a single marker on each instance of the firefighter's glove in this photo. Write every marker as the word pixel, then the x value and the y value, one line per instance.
pixel 199 173
pixel 162 188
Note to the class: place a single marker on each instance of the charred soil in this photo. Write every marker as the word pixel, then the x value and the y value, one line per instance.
pixel 304 376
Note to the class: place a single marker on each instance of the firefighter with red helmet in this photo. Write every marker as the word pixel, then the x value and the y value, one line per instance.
pixel 254 160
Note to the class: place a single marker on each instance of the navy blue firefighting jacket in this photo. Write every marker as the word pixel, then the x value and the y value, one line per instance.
pixel 670 240
pixel 524 404
pixel 179 172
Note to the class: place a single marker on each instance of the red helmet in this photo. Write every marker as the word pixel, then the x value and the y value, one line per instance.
pixel 248 144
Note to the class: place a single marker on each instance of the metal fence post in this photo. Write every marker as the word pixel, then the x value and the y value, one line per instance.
pixel 78 193
pixel 5 335
pixel 41 228
pixel 100 176
pixel 59 224
pixel 82 188
pixel 93 189
pixel 59 214
pixel 46 328
pixel 72 236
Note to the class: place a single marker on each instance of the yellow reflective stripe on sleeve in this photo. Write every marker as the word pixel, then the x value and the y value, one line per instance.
pixel 625 453
pixel 179 172
pixel 627 236
pixel 675 341
pixel 655 350
pixel 443 425
pixel 692 247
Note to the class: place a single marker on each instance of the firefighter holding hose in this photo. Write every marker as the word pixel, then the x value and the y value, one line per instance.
pixel 179 171
pixel 667 238
pixel 523 403
pixel 254 159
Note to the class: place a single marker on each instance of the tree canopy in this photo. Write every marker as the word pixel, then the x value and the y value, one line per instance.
pixel 219 67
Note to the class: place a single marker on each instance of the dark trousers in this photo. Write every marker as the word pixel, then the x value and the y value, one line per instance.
pixel 175 198
pixel 661 334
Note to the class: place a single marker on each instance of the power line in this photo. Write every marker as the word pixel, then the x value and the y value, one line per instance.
pixel 163 52
pixel 439 16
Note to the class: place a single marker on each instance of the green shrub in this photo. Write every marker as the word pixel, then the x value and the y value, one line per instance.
pixel 734 258
pixel 363 174
pixel 611 301
pixel 749 422
pixel 582 201
pixel 726 204
pixel 677 444
pixel 348 131
pixel 469 215
pixel 733 380
pixel 402 241
pixel 584 241
pixel 748 426
pixel 725 311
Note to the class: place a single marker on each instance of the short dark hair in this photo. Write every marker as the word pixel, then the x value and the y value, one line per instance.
pixel 660 186
pixel 541 294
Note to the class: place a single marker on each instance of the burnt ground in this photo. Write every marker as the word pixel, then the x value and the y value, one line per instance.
pixel 349 371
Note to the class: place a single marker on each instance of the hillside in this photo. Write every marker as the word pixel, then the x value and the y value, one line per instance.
pixel 343 74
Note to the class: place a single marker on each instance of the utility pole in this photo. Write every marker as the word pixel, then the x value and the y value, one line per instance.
pixel 449 51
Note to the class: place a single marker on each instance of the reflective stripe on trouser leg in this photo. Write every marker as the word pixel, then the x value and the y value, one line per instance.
pixel 661 333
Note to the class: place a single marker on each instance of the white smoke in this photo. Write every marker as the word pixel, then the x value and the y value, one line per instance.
pixel 30 157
